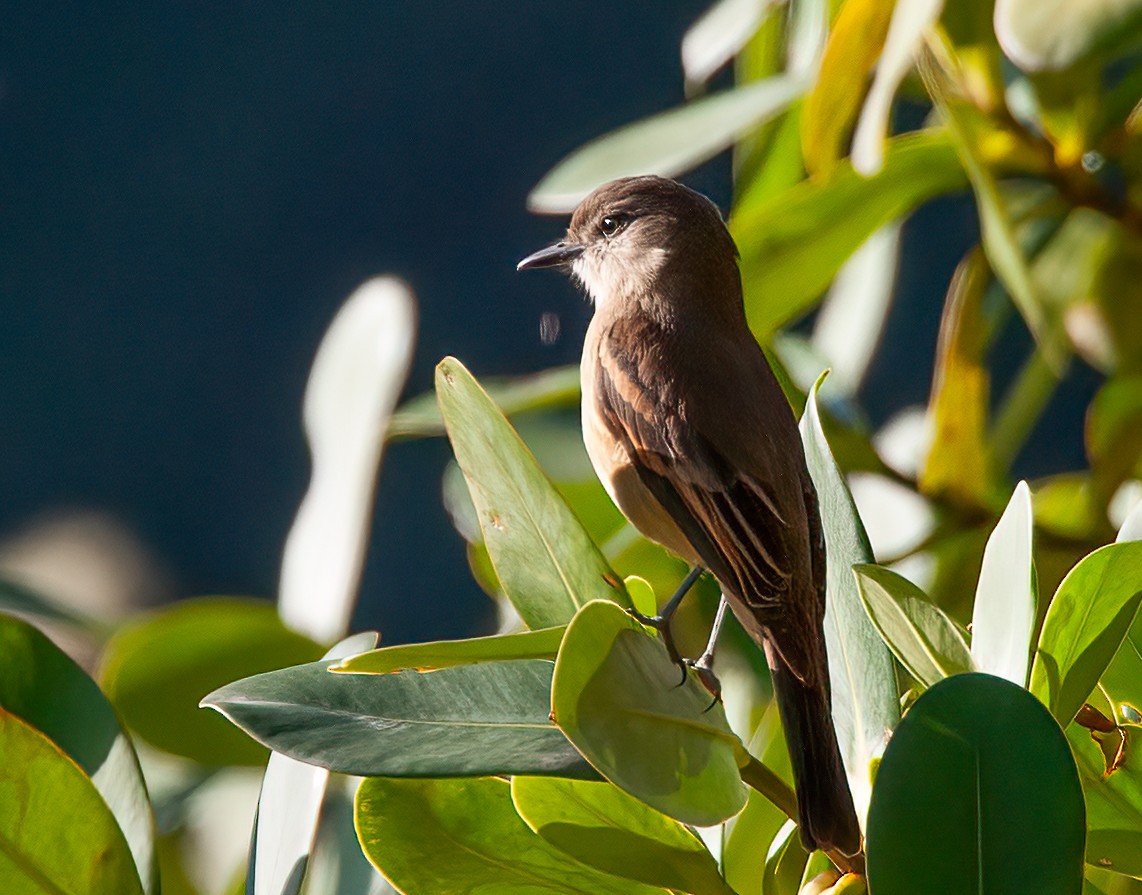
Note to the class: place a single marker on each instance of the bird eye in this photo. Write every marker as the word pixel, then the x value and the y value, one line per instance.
pixel 610 225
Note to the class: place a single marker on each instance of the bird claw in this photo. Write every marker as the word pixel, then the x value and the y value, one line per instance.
pixel 661 624
pixel 703 665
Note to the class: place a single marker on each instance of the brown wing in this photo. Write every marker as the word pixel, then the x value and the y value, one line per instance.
pixel 719 451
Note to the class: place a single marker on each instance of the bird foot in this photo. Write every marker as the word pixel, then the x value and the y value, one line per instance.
pixel 661 623
pixel 704 666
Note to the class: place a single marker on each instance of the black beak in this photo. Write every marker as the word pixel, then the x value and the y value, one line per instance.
pixel 558 255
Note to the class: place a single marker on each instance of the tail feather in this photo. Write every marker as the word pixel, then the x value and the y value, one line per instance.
pixel 827 818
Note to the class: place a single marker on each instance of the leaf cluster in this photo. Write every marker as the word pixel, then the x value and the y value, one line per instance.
pixel 985 644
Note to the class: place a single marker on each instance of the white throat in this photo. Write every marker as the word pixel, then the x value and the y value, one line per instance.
pixel 611 270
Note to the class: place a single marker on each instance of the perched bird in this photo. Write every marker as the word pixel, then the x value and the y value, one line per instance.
pixel 694 440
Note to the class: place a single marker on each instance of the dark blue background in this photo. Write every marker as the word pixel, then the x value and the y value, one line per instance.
pixel 189 191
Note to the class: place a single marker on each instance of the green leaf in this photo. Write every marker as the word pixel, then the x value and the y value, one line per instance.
pixel 488 718
pixel 959 465
pixel 464 837
pixel 599 824
pixel 157 669
pixel 667 144
pixel 1051 35
pixel 1000 243
pixel 544 558
pixel 558 387
pixel 57 835
pixel 1065 505
pixel 865 694
pixel 784 863
pixel 616 696
pixel 1113 797
pixel 719 35
pixel 42 686
pixel 903 38
pixel 919 633
pixel 978 792
pixel 1089 617
pixel 641 594
pixel 832 105
pixel 16 597
pixel 289 808
pixel 541 644
pixel 1114 432
pixel 1003 617
pixel 760 820
pixel 793 244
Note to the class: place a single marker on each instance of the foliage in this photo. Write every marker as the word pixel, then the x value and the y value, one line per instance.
pixel 562 754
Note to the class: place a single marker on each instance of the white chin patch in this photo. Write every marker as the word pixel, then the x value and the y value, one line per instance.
pixel 608 272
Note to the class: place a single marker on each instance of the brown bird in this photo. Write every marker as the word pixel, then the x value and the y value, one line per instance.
pixel 694 440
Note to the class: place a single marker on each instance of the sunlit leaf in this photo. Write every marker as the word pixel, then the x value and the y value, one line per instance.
pixel 541 644
pixel 716 37
pixel 544 559
pixel 1113 799
pixel 831 107
pixel 157 669
pixel 1050 35
pixel 603 827
pixel 1131 529
pixel 1114 432
pixel 793 244
pixel 641 594
pixel 1086 622
pixel 784 862
pixel 557 387
pixel 464 837
pixel 760 820
pixel 808 29
pixel 851 320
pixel 289 806
pixel 901 43
pixel 959 464
pixel 57 835
pixel 1122 679
pixel 920 634
pixel 1000 244
pixel 19 598
pixel 977 792
pixel 1004 614
pixel 865 697
pixel 354 385
pixel 616 696
pixel 42 686
pixel 487 718
pixel 1066 505
pixel 667 144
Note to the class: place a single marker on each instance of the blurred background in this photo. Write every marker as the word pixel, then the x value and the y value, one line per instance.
pixel 187 194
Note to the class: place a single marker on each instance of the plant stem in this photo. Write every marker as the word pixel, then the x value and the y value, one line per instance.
pixel 761 778
pixel 1023 405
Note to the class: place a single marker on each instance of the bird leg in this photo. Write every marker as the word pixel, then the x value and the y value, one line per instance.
pixel 661 622
pixel 704 664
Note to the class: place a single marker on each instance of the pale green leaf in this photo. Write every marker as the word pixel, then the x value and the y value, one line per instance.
pixel 544 558
pixel 919 633
pixel 667 144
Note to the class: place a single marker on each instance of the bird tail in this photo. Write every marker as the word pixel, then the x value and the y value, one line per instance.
pixel 824 804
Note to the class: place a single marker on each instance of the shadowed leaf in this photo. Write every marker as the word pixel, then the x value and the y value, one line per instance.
pixel 617 698
pixel 977 790
pixel 488 718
